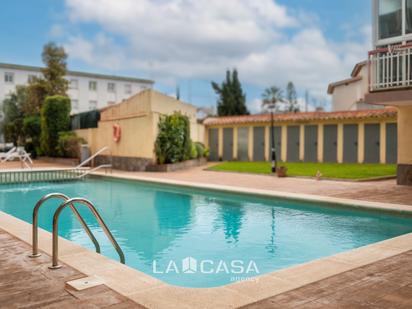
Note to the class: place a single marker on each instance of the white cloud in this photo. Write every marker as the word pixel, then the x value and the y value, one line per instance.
pixel 201 38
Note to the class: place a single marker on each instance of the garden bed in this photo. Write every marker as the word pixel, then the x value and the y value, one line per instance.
pixel 176 166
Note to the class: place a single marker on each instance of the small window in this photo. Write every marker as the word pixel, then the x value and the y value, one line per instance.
pixel 73 84
pixel 92 105
pixel 128 89
pixel 390 18
pixel 92 85
pixel 75 104
pixel 31 78
pixel 9 77
pixel 111 87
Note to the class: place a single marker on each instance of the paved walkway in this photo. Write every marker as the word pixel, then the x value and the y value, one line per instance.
pixel 28 283
pixel 380 191
pixel 382 285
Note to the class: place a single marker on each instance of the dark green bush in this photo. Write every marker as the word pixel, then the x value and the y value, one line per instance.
pixel 55 118
pixel 200 149
pixel 68 145
pixel 32 131
pixel 173 143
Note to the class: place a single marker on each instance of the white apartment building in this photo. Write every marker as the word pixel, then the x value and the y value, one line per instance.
pixel 87 91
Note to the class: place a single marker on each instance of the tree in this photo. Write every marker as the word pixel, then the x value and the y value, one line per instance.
pixel 55 118
pixel 52 81
pixel 232 100
pixel 272 96
pixel 55 59
pixel 14 115
pixel 36 93
pixel 291 98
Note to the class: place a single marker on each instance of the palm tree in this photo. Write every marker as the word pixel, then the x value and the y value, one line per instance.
pixel 271 98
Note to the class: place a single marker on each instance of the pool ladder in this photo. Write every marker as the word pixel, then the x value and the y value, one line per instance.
pixel 71 203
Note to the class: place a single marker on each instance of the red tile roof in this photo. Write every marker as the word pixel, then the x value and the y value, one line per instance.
pixel 307 116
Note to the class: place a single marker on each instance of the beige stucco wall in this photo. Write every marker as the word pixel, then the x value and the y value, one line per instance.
pixel 138 119
pixel 405 135
pixel 320 124
pixel 346 96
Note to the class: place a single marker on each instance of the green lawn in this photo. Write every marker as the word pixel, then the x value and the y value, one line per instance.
pixel 328 170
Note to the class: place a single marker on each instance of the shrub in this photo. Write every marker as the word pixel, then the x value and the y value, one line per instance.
pixel 32 131
pixel 193 152
pixel 206 153
pixel 68 145
pixel 55 118
pixel 173 143
pixel 200 149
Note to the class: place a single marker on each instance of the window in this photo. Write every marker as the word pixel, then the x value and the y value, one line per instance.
pixel 92 85
pixel 128 89
pixel 92 105
pixel 75 104
pixel 31 78
pixel 9 77
pixel 390 18
pixel 408 16
pixel 111 87
pixel 73 84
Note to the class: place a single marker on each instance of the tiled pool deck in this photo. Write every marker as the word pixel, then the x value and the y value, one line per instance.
pixel 378 276
pixel 28 283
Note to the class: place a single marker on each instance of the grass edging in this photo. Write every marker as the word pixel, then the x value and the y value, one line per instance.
pixel 329 171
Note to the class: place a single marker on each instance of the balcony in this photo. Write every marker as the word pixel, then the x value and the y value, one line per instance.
pixel 390 68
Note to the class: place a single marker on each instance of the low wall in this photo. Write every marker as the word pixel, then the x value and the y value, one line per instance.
pixel 176 166
pixel 130 164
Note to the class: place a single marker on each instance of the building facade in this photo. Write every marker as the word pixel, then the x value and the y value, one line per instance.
pixel 350 93
pixel 390 73
pixel 87 91
pixel 138 118
pixel 368 136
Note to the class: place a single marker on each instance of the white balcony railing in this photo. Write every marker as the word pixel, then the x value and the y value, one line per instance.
pixel 390 68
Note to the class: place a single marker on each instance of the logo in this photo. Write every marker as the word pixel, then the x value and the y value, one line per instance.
pixel 190 265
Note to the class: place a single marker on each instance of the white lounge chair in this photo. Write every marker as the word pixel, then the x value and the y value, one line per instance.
pixel 5 155
pixel 18 153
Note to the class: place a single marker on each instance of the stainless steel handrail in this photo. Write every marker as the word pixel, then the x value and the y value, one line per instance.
pixel 92 157
pixel 73 201
pixel 94 169
pixel 35 236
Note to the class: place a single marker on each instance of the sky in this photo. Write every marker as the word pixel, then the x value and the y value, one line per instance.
pixel 189 43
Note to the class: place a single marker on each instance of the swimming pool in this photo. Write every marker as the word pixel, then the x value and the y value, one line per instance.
pixel 199 238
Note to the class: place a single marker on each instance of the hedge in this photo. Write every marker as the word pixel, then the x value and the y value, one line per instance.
pixel 55 118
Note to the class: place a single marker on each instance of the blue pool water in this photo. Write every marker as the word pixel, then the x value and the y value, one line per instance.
pixel 229 237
